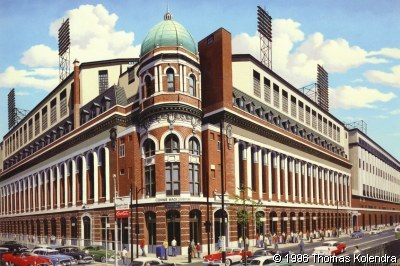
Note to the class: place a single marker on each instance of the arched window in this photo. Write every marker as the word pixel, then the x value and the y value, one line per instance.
pixel 149 148
pixel 194 147
pixel 192 85
pixel 171 80
pixel 172 144
pixel 149 87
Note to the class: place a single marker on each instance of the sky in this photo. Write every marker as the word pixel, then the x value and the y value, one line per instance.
pixel 357 42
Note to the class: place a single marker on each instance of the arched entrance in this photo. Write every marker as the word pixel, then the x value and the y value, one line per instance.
pixel 355 221
pixel 314 222
pixel 218 227
pixel 74 231
pixel 284 220
pixel 308 222
pixel 195 225
pixel 273 223
pixel 174 228
pixel 260 222
pixel 293 219
pixel 301 222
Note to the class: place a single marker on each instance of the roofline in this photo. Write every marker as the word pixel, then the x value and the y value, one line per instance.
pixel 249 57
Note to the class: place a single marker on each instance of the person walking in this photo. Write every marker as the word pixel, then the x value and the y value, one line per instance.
pixel 142 247
pixel 240 241
pixel 124 254
pixel 198 249
pixel 301 245
pixel 165 244
pixel 173 245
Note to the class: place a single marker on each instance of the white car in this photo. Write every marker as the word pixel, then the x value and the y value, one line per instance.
pixel 330 248
pixel 268 260
pixel 375 231
pixel 144 260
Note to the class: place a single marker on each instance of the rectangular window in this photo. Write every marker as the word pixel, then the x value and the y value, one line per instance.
pixel 325 126
pixel 314 119
pixel 284 101
pixel 276 96
pixel 267 90
pixel 307 115
pixel 194 179
pixel 293 106
pixel 122 150
pixel 301 111
pixel 44 118
pixel 330 129
pixel 63 103
pixel 319 123
pixel 256 83
pixel 334 132
pixel 53 111
pixel 37 124
pixel 103 80
pixel 338 134
pixel 172 179
pixel 150 180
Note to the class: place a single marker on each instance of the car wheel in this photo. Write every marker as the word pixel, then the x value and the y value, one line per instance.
pixel 103 259
pixel 228 262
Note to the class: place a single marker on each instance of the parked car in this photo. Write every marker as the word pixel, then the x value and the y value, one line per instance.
pixel 269 260
pixel 27 259
pixel 99 254
pixel 55 256
pixel 266 252
pixel 357 234
pixel 233 255
pixel 14 246
pixel 152 261
pixel 79 255
pixel 330 248
pixel 3 251
pixel 375 231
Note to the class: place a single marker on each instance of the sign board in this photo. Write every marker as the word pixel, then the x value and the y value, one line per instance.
pixel 302 218
pixel 263 219
pixel 122 213
pixel 107 225
pixel 314 218
pixel 275 219
pixel 294 218
pixel 285 218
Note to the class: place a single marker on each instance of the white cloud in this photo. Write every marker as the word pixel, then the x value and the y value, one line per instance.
pixel 357 80
pixel 395 112
pixel 37 78
pixel 40 56
pixel 390 79
pixel 299 65
pixel 22 93
pixel 346 97
pixel 388 52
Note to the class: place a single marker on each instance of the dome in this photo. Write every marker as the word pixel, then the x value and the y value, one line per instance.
pixel 168 33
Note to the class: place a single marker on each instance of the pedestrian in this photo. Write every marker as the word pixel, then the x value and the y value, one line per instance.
pixel 165 244
pixel 124 254
pixel 193 248
pixel 247 243
pixel 173 245
pixel 357 251
pixel 276 243
pixel 198 249
pixel 219 244
pixel 240 241
pixel 190 252
pixel 142 247
pixel 301 245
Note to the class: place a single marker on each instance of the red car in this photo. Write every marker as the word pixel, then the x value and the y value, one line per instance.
pixel 233 255
pixel 25 259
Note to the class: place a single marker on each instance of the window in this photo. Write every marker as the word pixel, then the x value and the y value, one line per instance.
pixel 194 179
pixel 122 150
pixel 63 103
pixel 44 118
pixel 149 87
pixel 53 111
pixel 307 115
pixel 103 80
pixel 172 144
pixel 301 111
pixel 149 148
pixel 284 101
pixel 150 180
pixel 256 83
pixel 171 80
pixel 267 90
pixel 172 179
pixel 194 147
pixel 276 95
pixel 314 119
pixel 293 106
pixel 192 85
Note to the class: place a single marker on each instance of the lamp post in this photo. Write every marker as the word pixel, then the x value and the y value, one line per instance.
pixel 137 190
pixel 337 217
pixel 131 225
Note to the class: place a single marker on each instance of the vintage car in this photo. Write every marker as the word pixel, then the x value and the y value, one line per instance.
pixel 264 260
pixel 266 252
pixel 152 261
pixel 14 246
pixel 375 231
pixel 55 256
pixel 26 259
pixel 357 234
pixel 233 255
pixel 76 253
pixel 99 254
pixel 330 248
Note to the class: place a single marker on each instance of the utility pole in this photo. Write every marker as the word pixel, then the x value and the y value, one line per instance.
pixel 222 191
pixel 131 209
pixel 116 221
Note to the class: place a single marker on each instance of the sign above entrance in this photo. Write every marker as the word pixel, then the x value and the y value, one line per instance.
pixel 120 214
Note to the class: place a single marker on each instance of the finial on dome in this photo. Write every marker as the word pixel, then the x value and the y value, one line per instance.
pixel 168 15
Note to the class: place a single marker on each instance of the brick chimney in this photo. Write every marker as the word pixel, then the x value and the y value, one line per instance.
pixel 77 94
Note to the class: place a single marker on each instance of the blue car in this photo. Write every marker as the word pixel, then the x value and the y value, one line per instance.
pixel 357 234
pixel 56 257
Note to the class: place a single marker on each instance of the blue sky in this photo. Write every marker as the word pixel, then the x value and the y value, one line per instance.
pixel 358 43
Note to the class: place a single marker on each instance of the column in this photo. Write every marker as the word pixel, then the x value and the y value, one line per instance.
pixel 66 196
pixel 332 175
pixel 2 201
pixel 328 176
pixel 34 192
pixel 318 175
pixel 337 186
pixel 236 155
pixel 249 169
pixel 311 169
pixel 278 175
pixel 269 160
pixel 347 190
pixel 305 167
pixel 260 177
pixel 156 83
pixel 293 181
pixel 84 180
pixel 341 189
pixel 20 191
pixel 96 176
pixel 160 78
pixel 73 176
pixel 29 192
pixel 299 168
pixel 58 185
pixel 107 171
pixel 286 177
pixel 15 198
pixel 322 171
pixel 45 184
pixel 53 177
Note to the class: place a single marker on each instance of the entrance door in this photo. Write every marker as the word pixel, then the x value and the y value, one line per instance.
pixel 86 231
